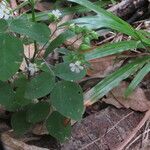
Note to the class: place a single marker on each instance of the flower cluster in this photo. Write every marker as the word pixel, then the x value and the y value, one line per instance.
pixel 57 13
pixel 32 68
pixel 76 67
pixel 5 11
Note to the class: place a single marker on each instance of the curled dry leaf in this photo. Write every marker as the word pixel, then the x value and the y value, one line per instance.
pixel 13 144
pixel 136 101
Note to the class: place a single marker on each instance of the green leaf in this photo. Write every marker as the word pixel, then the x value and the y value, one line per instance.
pixel 36 31
pixel 40 86
pixel 19 123
pixel 57 128
pixel 138 78
pixel 104 19
pixel 81 9
pixel 58 41
pixel 107 84
pixel 6 95
pixel 3 25
pixel 19 100
pixel 63 71
pixel 44 15
pixel 114 48
pixel 11 50
pixel 38 112
pixel 67 98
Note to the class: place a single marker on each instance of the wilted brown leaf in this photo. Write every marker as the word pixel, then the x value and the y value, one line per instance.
pixel 13 144
pixel 103 130
pixel 103 66
pixel 136 101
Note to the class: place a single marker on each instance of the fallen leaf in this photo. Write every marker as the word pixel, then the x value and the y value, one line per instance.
pixel 39 129
pixel 14 144
pixel 103 130
pixel 101 67
pixel 137 100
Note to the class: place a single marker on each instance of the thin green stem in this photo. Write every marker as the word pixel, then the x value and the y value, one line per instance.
pixel 32 3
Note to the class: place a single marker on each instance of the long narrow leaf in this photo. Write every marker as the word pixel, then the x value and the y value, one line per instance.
pixel 113 48
pixel 103 87
pixel 138 78
pixel 58 41
pixel 107 18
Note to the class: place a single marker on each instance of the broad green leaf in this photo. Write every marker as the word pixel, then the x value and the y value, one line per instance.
pixel 11 50
pixel 38 112
pixel 107 84
pixel 63 71
pixel 40 86
pixel 19 100
pixel 19 123
pixel 67 98
pixel 138 78
pixel 57 128
pixel 6 95
pixel 58 41
pixel 114 48
pixel 36 31
pixel 104 19
pixel 3 25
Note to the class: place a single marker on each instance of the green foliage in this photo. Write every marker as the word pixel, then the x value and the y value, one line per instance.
pixel 67 98
pixel 49 93
pixel 38 112
pixel 40 86
pixel 63 71
pixel 11 50
pixel 114 79
pixel 6 95
pixel 112 22
pixel 58 41
pixel 3 25
pixel 19 123
pixel 36 31
pixel 56 126
pixel 114 48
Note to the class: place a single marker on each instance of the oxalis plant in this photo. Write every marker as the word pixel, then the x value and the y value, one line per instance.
pixel 48 93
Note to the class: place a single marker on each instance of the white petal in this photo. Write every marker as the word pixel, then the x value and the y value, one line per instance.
pixel 32 73
pixel 1 14
pixel 78 63
pixel 77 70
pixel 7 11
pixel 73 69
pixel 6 16
pixel 72 65
pixel 3 7
pixel 81 67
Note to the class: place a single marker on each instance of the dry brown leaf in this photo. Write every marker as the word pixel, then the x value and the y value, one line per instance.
pixel 39 129
pixel 136 101
pixel 103 66
pixel 103 130
pixel 13 144
pixel 43 6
